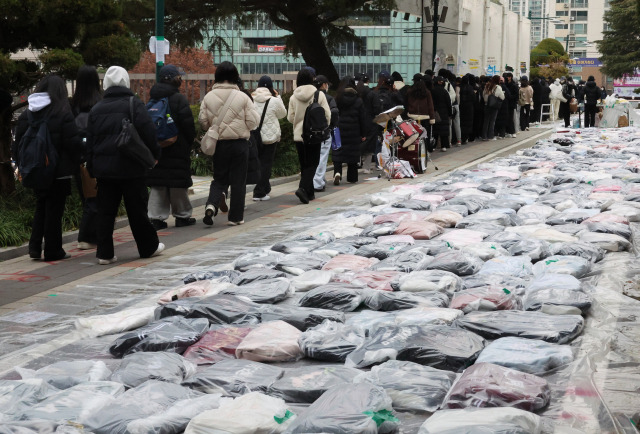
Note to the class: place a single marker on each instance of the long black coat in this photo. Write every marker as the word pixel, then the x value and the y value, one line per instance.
pixel 467 96
pixel 442 105
pixel 503 111
pixel 537 91
pixel 352 125
pixel 105 123
pixel 64 137
pixel 174 167
pixel 546 92
pixel 513 91
pixel 591 93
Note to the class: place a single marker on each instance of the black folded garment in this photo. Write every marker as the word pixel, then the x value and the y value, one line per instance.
pixel 308 383
pixel 218 309
pixel 234 377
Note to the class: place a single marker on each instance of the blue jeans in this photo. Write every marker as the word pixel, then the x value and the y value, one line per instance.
pixel 318 180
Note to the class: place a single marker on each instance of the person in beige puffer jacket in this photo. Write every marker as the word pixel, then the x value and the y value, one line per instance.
pixel 308 154
pixel 232 150
pixel 270 132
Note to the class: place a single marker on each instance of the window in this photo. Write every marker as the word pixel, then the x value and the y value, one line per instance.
pixel 562 26
pixel 579 15
pixel 606 27
pixel 562 13
pixel 579 3
pixel 562 1
pixel 578 28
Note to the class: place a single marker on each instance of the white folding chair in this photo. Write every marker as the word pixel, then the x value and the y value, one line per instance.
pixel 548 112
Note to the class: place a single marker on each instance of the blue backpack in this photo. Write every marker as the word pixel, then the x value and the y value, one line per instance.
pixel 166 128
pixel 37 157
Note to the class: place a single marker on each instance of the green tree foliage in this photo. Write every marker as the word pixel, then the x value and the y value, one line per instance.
pixel 620 45
pixel 549 59
pixel 65 62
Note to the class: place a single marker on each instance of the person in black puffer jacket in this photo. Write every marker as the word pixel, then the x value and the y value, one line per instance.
pixel 118 175
pixel 467 97
pixel 591 96
pixel 353 131
pixel 171 178
pixel 512 86
pixel 50 101
pixel 444 113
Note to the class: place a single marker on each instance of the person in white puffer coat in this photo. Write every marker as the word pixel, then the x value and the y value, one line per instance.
pixel 270 132
pixel 556 97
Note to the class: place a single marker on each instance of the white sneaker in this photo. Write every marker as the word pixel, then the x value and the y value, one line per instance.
pixel 107 261
pixel 443 150
pixel 513 136
pixel 337 178
pixel 459 144
pixel 265 197
pixel 494 139
pixel 209 213
pixel 230 223
pixel 158 250
pixel 82 245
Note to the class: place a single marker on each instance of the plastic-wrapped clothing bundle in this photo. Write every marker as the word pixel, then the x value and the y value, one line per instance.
pixel 572 215
pixel 461 210
pixel 308 383
pixel 526 355
pixel 335 296
pixel 261 258
pixel 607 217
pixel 198 288
pixel 263 291
pixel 359 241
pixel 406 261
pixel 433 199
pixel 342 263
pixel 486 229
pixel 63 375
pixel 429 280
pixel 424 316
pixel 219 276
pixel 535 213
pixel 628 210
pixel 457 262
pixel 525 324
pixel 608 242
pixel 381 251
pixel 330 341
pixel 311 279
pixel 301 318
pixel 462 237
pixel 217 344
pixel 412 387
pixel 489 385
pixel 504 203
pixel 378 280
pixel 125 320
pixel 490 216
pixel 298 263
pixel 482 421
pixel 444 218
pixel 256 274
pixel 420 230
pixel 554 281
pixel 412 204
pixel 473 203
pixel 554 235
pixel 486 250
pixel 382 344
pixel 173 334
pixel 304 244
pixel 253 413
pixel 573 229
pixel 518 266
pixel 536 300
pixel 512 283
pixel 384 198
pixel 379 230
pixel 620 229
pixel 396 240
pixel 274 341
pixel 584 250
pixel 389 301
pixel 506 239
pixel 485 298
pixel 18 395
pixel 397 217
pixel 336 248
pixel 348 409
pixel 433 247
pixel 573 265
pixel 234 377
pixel 218 309
pixel 137 368
pixel 534 248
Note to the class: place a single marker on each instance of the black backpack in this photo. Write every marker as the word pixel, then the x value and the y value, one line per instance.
pixel 315 128
pixel 37 157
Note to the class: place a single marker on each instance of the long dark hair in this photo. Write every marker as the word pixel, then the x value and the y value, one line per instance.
pixel 418 90
pixel 88 91
pixel 57 90
pixel 226 71
pixel 492 83
pixel 345 83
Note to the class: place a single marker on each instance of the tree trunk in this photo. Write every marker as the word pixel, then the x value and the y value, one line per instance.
pixel 7 181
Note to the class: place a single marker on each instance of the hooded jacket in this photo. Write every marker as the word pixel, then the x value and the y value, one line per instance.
pixel 270 131
pixel 591 93
pixel 353 127
pixel 556 90
pixel 62 130
pixel 238 121
pixel 174 166
pixel 300 100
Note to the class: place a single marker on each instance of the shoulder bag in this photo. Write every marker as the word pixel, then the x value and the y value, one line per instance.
pixel 493 102
pixel 131 145
pixel 256 135
pixel 210 139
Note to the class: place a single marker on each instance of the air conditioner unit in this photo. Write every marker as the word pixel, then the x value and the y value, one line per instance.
pixel 572 18
pixel 566 5
pixel 572 44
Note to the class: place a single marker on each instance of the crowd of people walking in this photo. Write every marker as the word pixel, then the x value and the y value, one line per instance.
pixel 86 134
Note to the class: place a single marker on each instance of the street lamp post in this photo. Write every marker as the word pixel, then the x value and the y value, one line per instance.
pixel 159 32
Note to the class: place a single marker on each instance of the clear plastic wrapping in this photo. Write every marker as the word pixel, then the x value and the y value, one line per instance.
pixel 486 250
pixel 420 230
pixel 620 229
pixel 311 279
pixel 307 383
pixel 573 265
pixel 137 368
pixel 390 301
pixel 301 318
pixel 482 421
pixel 526 355
pixel 274 341
pixel 234 377
pixel 377 280
pixel 259 258
pixel 334 296
pixel 217 309
pixel 587 251
pixel 342 263
pixel 534 248
pixel 608 242
pixel 304 244
pixel 518 266
pixel 412 204
pixel 217 344
pixel 429 280
pixel 461 237
pixel 256 274
pixel 63 375
pixel 457 262
pixel 485 298
pixel 118 322
pixel 330 341
pixel 298 263
pixel 263 291
pixel 381 250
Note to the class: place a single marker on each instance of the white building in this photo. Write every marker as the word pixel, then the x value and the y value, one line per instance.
pixel 582 24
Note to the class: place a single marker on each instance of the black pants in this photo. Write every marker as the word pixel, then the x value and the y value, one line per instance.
pixel 266 154
pixel 525 112
pixel 489 122
pixel 47 220
pixel 511 125
pixel 565 113
pixel 352 171
pixel 590 115
pixel 88 230
pixel 444 141
pixel 135 195
pixel 309 158
pixel 230 164
pixel 537 109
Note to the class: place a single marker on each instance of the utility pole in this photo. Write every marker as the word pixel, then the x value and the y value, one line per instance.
pixel 436 18
pixel 159 33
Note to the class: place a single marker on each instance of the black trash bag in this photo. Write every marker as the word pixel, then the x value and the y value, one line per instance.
pixel 472 203
pixel 260 258
pixel 298 263
pixel 301 318
pixel 174 334
pixel 406 261
pixel 506 238
pixel 263 291
pixel 379 230
pixel 381 251
pixel 304 244
pixel 358 241
pixel 137 368
pixel 442 347
pixel 306 384
pixel 330 342
pixel 336 248
pixel 334 296
pixel 218 309
pixel 460 209
pixel 588 251
pixel 457 262
pixel 611 228
pixel 221 276
pixel 348 409
pixel 390 301
pixel 416 205
pixel 525 324
pixel 234 377
pixel 412 387
pixel 256 274
pixel 532 247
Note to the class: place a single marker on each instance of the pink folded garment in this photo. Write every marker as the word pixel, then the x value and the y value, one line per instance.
pixel 396 217
pixel 274 341
pixel 418 230
pixel 606 218
pixel 341 263
pixel 193 289
pixel 217 345
pixel 380 280
pixel 444 218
